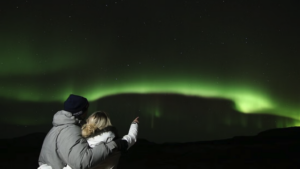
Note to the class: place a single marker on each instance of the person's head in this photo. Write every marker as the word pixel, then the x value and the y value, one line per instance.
pixel 96 121
pixel 77 105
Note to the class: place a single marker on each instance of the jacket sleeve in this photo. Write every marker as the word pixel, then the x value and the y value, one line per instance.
pixel 75 151
pixel 131 137
pixel 104 137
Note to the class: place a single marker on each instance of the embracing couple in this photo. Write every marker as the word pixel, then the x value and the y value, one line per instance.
pixel 95 144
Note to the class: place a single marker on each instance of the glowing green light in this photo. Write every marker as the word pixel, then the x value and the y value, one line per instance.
pixel 247 98
pixel 157 113
pixel 287 123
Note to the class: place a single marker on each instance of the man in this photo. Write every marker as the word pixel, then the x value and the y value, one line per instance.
pixel 64 143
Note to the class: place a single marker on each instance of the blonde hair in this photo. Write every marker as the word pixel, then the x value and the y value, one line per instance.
pixel 96 121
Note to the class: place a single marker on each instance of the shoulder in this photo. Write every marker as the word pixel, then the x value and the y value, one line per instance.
pixel 103 137
pixel 70 131
pixel 71 136
pixel 72 127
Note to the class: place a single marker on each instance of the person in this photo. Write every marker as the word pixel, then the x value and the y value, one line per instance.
pixel 98 128
pixel 64 143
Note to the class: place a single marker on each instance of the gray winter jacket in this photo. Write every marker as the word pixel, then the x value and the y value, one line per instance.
pixel 65 145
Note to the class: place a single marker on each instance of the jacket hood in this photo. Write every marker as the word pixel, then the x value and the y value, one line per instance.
pixel 63 117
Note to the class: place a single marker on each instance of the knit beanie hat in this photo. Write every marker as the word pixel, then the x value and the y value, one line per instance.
pixel 76 104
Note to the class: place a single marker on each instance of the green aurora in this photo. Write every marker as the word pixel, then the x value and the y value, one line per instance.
pixel 247 99
pixel 206 50
pixel 25 63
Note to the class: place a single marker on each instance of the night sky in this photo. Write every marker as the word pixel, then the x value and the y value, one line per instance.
pixel 192 70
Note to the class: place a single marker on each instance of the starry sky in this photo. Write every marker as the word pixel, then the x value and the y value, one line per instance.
pixel 192 70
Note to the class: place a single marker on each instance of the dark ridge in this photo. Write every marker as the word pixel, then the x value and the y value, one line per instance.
pixel 275 148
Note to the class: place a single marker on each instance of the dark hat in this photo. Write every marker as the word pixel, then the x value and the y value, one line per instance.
pixel 76 104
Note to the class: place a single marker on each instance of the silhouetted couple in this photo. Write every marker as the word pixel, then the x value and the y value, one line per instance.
pixel 68 145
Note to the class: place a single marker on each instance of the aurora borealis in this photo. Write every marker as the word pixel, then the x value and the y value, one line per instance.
pixel 231 66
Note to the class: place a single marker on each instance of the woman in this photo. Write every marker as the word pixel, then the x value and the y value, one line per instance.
pixel 98 128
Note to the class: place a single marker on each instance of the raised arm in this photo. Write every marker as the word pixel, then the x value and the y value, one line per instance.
pixel 131 137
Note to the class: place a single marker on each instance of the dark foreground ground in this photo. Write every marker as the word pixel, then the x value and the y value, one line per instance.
pixel 277 148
